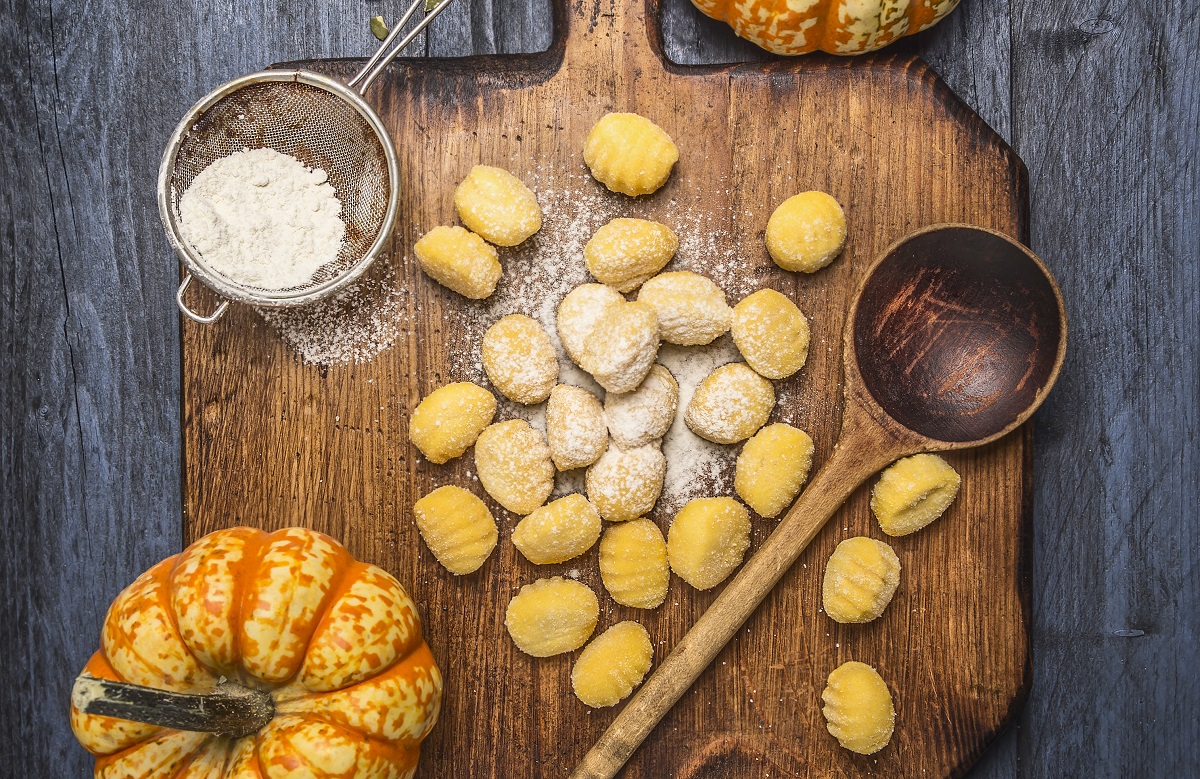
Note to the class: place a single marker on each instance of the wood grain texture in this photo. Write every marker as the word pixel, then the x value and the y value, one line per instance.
pixel 271 442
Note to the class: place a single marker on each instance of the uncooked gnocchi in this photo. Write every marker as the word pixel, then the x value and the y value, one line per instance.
pixel 625 252
pixel 730 405
pixel 497 205
pixel 460 260
pixel 575 427
pixel 621 348
pixel 449 420
pixel 578 313
pixel 771 333
pixel 558 531
pixel 860 579
pixel 612 665
pixel 457 527
pixel 624 485
pixel 806 232
pixel 772 467
pixel 519 359
pixel 552 616
pixel 639 417
pixel 633 564
pixel 858 710
pixel 691 309
pixel 629 154
pixel 707 540
pixel 913 492
pixel 513 464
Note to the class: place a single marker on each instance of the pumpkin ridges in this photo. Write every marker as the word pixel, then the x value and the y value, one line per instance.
pixel 287 734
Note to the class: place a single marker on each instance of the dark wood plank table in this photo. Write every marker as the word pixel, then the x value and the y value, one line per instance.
pixel 1099 99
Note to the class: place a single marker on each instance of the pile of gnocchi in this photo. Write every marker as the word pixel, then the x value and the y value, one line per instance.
pixel 612 328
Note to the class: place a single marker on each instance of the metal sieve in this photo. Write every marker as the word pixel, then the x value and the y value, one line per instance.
pixel 321 122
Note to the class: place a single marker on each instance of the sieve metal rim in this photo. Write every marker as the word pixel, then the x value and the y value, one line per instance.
pixel 194 263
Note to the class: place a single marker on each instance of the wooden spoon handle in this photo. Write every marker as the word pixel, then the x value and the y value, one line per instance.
pixel 855 458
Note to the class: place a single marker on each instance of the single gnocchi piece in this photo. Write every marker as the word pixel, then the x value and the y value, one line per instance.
pixel 519 359
pixel 625 252
pixel 913 492
pixel 771 333
pixel 772 467
pixel 460 260
pixel 575 427
pixel 633 564
pixel 497 205
pixel 514 466
pixel 730 405
pixel 858 710
pixel 610 667
pixel 806 232
pixel 449 419
pixel 578 313
pixel 552 616
pixel 708 540
pixel 621 348
pixel 691 309
pixel 558 531
pixel 639 417
pixel 457 527
pixel 860 579
pixel 625 484
pixel 629 154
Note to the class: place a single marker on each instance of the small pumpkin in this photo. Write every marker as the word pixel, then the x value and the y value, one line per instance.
pixel 256 655
pixel 833 26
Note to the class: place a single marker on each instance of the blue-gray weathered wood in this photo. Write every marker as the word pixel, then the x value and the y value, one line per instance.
pixel 1100 101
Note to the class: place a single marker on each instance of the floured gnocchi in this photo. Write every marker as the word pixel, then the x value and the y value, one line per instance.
pixel 707 540
pixel 806 232
pixel 625 252
pixel 514 466
pixel 629 154
pixel 633 564
pixel 730 405
pixel 449 419
pixel 621 348
pixel 771 333
pixel 497 205
pixel 460 260
pixel 772 467
pixel 625 484
pixel 457 527
pixel 612 665
pixel 858 710
pixel 575 427
pixel 860 579
pixel 552 616
pixel 691 309
pixel 578 313
pixel 913 492
pixel 558 531
pixel 519 359
pixel 639 417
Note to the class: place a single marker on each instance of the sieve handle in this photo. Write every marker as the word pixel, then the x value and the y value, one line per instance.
pixel 192 315
pixel 391 48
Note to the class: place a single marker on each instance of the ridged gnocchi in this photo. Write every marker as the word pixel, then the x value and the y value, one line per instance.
pixel 633 564
pixel 860 579
pixel 625 252
pixel 449 419
pixel 625 484
pixel 558 531
pixel 519 359
pixel 460 260
pixel 691 309
pixel 552 616
pixel 639 417
pixel 513 464
pixel 806 232
pixel 457 527
pixel 621 348
pixel 497 205
pixel 730 405
pixel 609 668
pixel 772 467
pixel 771 333
pixel 858 710
pixel 913 492
pixel 629 154
pixel 578 313
pixel 575 427
pixel 707 540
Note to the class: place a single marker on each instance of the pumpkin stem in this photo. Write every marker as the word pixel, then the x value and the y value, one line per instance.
pixel 233 710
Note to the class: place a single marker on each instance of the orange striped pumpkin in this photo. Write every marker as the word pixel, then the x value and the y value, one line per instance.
pixel 331 645
pixel 834 26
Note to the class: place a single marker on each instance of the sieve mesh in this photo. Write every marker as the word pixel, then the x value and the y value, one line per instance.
pixel 316 126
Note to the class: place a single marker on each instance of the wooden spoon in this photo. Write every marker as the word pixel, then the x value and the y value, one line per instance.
pixel 955 336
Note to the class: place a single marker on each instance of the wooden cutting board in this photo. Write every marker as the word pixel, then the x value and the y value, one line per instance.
pixel 271 441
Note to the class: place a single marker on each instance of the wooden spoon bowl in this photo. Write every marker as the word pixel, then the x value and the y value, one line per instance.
pixel 955 336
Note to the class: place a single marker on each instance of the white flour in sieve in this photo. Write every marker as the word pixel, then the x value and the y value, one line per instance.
pixel 263 219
